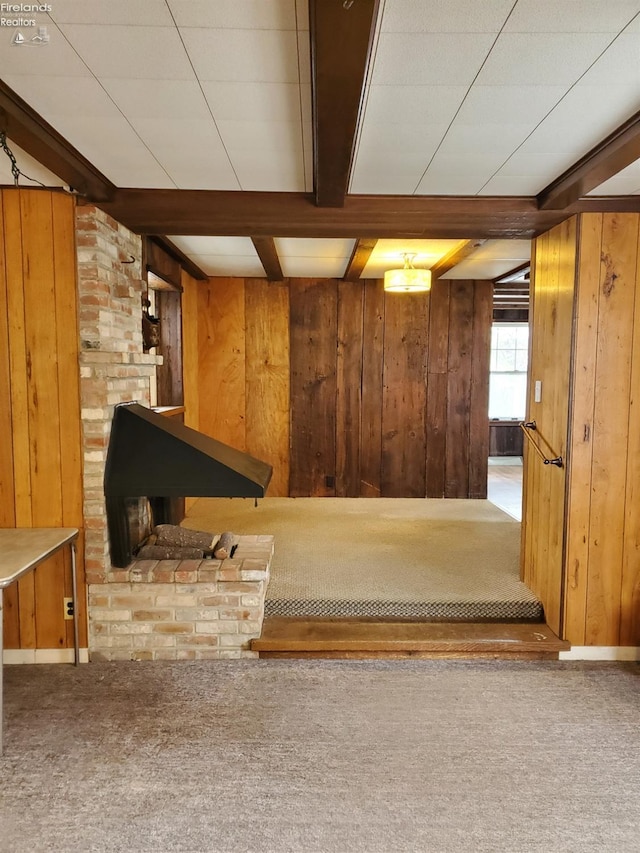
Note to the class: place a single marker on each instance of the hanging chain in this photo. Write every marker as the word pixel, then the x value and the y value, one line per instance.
pixel 15 169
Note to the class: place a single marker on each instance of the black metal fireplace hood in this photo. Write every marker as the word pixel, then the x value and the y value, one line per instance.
pixel 152 455
pixel 153 461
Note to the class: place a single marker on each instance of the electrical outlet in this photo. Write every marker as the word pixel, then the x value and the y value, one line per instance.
pixel 68 608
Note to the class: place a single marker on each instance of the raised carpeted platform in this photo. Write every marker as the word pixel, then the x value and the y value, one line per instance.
pixel 386 557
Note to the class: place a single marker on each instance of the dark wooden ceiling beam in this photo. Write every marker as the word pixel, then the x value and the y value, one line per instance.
pixel 35 136
pixel 359 258
pixel 612 155
pixel 455 257
pixel 264 214
pixel 341 40
pixel 268 254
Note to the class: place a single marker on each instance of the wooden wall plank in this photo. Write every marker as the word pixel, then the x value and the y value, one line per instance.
pixel 221 342
pixel 18 357
pixel 20 425
pixel 314 328
pixel 542 554
pixel 44 408
pixel 459 389
pixel 7 484
pixel 630 593
pixel 11 621
pixel 372 369
pixel 267 378
pixel 169 374
pixel 437 388
pixel 190 349
pixel 349 388
pixel 70 437
pixel 479 399
pixel 404 395
pixel 579 456
pixel 611 425
pixel 562 357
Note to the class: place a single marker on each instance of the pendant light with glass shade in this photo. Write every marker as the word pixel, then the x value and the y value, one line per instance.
pixel 408 279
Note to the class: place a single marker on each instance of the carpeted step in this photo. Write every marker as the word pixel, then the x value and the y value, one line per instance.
pixel 290 637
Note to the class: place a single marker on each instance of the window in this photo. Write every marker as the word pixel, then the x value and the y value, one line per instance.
pixel 508 370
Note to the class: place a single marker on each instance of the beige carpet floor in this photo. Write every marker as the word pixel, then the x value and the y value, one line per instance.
pixel 388 557
pixel 321 757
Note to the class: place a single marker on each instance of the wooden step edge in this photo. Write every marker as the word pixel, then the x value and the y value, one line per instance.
pixel 407 655
pixel 351 635
pixel 372 645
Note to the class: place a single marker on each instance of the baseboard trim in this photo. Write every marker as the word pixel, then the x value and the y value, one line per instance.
pixel 18 656
pixel 621 653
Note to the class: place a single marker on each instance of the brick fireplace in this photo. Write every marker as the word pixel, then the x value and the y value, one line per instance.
pixel 178 610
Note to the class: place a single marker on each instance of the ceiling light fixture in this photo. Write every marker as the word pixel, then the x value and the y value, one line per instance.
pixel 408 279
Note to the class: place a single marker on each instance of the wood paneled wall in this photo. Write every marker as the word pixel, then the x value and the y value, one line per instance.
pixel 345 390
pixel 581 530
pixel 602 592
pixel 41 454
pixel 551 318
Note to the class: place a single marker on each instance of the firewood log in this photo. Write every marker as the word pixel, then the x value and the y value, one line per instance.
pixel 222 548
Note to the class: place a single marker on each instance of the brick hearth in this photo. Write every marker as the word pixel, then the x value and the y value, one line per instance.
pixel 182 609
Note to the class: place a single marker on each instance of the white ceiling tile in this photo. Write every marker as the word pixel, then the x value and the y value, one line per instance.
pixel 263 171
pixel 438 183
pixel 423 59
pixel 420 104
pixel 240 101
pixel 283 138
pixel 60 96
pixel 317 247
pixel 191 152
pixel 302 14
pixel 221 265
pixel 598 108
pixel 313 267
pixel 268 56
pixel 400 140
pixel 56 59
pixel 617 186
pixel 627 181
pixel 479 270
pixel 304 57
pixel 513 185
pixel 156 99
pixel 142 53
pixel 147 13
pixel 215 245
pixel 434 16
pixel 387 179
pixel 29 166
pixel 466 164
pixel 544 59
pixel 503 250
pixel 547 166
pixel 569 16
pixel 115 150
pixel 235 14
pixel 619 63
pixel 509 104
pixel 498 140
